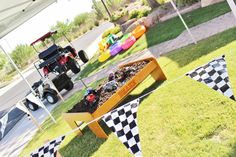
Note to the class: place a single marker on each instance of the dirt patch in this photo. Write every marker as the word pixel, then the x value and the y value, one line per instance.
pixel 107 88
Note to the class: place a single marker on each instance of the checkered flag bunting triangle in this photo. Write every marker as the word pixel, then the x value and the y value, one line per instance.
pixel 123 122
pixel 214 75
pixel 3 125
pixel 49 149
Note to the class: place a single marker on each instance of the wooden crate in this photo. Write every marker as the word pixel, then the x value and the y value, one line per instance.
pixel 152 68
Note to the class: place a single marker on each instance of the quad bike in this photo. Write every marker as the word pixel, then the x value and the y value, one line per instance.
pixel 45 92
pixel 57 59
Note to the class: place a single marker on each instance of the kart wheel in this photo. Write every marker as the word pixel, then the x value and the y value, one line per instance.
pixel 51 98
pixel 31 106
pixel 69 86
pixel 71 50
pixel 73 65
pixel 83 56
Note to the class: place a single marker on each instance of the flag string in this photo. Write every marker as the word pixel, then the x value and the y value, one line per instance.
pixel 142 96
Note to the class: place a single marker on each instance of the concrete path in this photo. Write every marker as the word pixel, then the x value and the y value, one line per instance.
pixel 200 32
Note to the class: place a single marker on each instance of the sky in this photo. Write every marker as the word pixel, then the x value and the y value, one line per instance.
pixel 42 22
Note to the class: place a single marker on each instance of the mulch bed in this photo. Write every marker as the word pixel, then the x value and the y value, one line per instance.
pixel 122 75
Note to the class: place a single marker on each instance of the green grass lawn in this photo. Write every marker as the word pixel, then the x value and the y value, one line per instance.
pixel 163 31
pixel 184 118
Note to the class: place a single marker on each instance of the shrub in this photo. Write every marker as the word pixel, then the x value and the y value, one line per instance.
pixel 114 4
pixel 143 13
pixel 98 8
pixel 80 19
pixel 8 69
pixel 62 28
pixel 161 1
pixel 139 13
pixel 144 2
pixel 84 31
pixel 113 30
pixel 96 23
pixel 106 18
pixel 116 16
pixel 3 60
pixel 23 55
pixel 133 14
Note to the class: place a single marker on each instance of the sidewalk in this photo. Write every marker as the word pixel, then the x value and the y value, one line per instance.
pixel 200 32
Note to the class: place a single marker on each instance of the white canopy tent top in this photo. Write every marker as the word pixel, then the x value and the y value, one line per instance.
pixel 13 13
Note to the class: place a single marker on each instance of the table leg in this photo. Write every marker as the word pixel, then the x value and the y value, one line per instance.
pixel 97 130
pixel 158 74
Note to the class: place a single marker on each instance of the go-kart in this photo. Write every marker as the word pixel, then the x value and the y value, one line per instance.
pixel 56 58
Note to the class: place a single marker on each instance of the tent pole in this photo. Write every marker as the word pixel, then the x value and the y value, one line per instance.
pixel 19 72
pixel 181 18
pixel 25 109
pixel 17 69
pixel 232 6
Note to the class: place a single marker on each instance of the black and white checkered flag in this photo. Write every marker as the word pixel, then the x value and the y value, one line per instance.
pixel 49 149
pixel 123 122
pixel 3 125
pixel 215 75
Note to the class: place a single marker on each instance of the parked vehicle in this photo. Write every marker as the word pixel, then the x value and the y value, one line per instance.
pixel 57 59
pixel 45 92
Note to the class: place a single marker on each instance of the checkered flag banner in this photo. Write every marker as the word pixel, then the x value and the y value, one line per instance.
pixel 31 97
pixel 49 149
pixel 3 125
pixel 215 75
pixel 123 122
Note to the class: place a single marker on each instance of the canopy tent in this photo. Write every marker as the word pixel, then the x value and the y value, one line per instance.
pixel 13 13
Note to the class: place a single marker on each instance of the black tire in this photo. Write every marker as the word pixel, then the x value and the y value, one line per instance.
pixel 31 106
pixel 69 86
pixel 51 98
pixel 83 56
pixel 73 66
pixel 71 50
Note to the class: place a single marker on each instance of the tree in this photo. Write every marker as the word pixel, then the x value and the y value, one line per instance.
pixel 114 4
pixel 61 28
pixel 98 8
pixel 153 4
